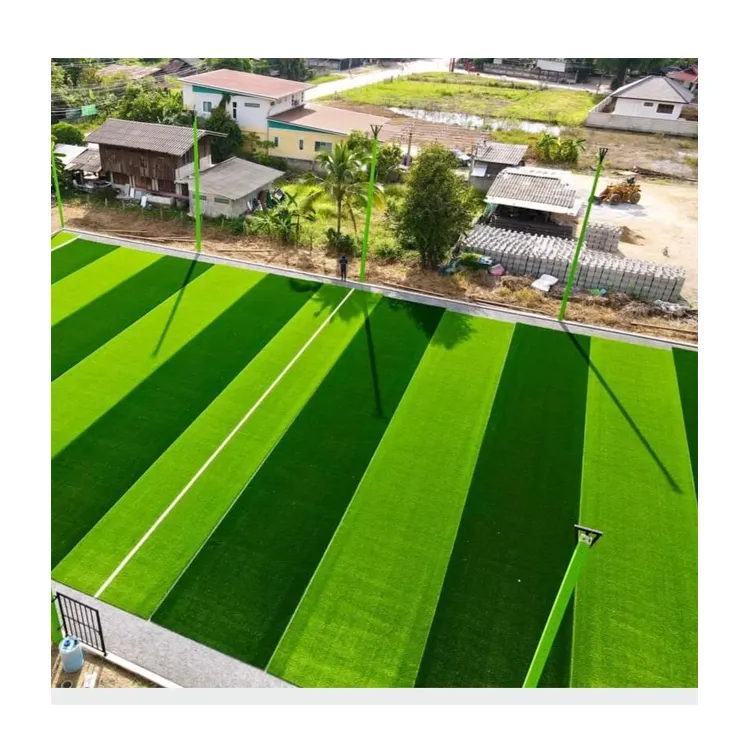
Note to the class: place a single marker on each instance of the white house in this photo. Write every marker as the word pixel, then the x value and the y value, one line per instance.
pixel 654 96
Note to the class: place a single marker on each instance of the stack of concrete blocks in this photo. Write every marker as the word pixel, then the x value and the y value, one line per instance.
pixel 523 254
pixel 603 238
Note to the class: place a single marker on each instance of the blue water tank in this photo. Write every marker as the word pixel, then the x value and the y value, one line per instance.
pixel 71 654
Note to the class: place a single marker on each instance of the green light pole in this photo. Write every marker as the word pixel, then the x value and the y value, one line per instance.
pixel 586 539
pixel 56 625
pixel 370 194
pixel 57 188
pixel 581 236
pixel 197 176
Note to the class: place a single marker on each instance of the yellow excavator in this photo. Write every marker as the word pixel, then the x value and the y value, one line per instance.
pixel 622 192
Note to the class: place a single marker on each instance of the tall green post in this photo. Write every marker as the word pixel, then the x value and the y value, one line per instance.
pixel 56 182
pixel 586 540
pixel 197 176
pixel 370 195
pixel 56 625
pixel 581 236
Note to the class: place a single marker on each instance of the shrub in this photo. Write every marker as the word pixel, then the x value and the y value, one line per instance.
pixel 235 224
pixel 64 132
pixel 268 160
pixel 387 250
pixel 340 241
pixel 470 260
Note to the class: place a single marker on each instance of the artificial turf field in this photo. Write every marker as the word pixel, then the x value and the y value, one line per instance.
pixel 349 490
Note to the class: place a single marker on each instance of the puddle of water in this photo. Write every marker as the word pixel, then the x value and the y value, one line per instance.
pixel 476 122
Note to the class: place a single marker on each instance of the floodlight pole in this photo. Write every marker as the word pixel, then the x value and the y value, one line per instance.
pixel 196 170
pixel 56 625
pixel 581 236
pixel 586 539
pixel 370 194
pixel 56 182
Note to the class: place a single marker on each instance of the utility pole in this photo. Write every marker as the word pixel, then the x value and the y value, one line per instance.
pixel 196 169
pixel 370 194
pixel 56 183
pixel 581 236
pixel 408 148
pixel 586 539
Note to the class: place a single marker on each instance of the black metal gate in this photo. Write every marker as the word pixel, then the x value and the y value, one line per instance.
pixel 81 621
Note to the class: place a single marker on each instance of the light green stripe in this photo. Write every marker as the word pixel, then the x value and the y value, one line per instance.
pixel 147 578
pixel 636 604
pixel 62 237
pixel 366 615
pixel 85 285
pixel 85 392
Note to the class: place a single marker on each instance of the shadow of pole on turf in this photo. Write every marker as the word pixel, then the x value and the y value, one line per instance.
pixel 177 301
pixel 373 364
pixel 670 479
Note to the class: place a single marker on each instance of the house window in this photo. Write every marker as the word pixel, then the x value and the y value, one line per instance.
pixel 217 199
pixel 276 141
pixel 252 104
pixel 301 144
pixel 234 110
pixel 207 106
pixel 665 109
pixel 323 146
pixel 648 104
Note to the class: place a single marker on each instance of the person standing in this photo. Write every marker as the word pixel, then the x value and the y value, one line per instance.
pixel 343 263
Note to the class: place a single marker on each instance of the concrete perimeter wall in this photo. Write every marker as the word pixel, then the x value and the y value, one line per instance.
pixel 610 121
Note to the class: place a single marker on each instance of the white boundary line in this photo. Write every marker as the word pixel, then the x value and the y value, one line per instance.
pixel 221 447
pixel 67 242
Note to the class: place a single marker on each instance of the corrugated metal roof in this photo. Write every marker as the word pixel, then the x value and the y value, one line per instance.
pixel 655 88
pixel 251 84
pixel 146 136
pixel 235 178
pixel 500 153
pixel 87 161
pixel 329 119
pixel 542 188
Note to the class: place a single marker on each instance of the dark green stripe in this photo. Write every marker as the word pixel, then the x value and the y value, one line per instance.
pixel 83 332
pixel 94 471
pixel 242 589
pixel 516 533
pixel 686 365
pixel 79 253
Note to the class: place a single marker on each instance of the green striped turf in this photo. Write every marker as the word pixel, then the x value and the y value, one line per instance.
pixel 145 580
pixel 83 332
pixel 91 474
pixel 516 534
pixel 85 392
pixel 84 286
pixel 686 366
pixel 77 254
pixel 238 594
pixel 61 238
pixel 366 615
pixel 636 607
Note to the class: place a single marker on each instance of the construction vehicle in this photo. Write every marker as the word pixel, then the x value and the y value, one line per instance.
pixel 627 192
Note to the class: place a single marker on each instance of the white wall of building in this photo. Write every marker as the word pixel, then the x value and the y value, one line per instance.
pixel 640 108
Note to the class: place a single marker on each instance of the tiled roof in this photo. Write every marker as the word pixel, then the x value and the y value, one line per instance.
pixel 655 88
pixel 500 153
pixel 329 119
pixel 533 188
pixel 251 84
pixel 235 178
pixel 146 136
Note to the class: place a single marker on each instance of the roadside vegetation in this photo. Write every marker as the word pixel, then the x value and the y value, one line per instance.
pixel 326 78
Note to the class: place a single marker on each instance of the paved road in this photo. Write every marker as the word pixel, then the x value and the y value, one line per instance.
pixel 355 81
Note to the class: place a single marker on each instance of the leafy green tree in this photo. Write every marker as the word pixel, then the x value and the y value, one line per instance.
pixel 291 68
pixel 619 67
pixel 243 64
pixel 437 208
pixel 220 121
pixel 389 155
pixel 146 103
pixel 64 132
pixel 283 221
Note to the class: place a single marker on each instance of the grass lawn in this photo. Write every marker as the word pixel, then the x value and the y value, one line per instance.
pixel 476 96
pixel 636 605
pixel 516 534
pixel 282 523
pixel 326 78
pixel 77 254
pixel 686 365
pixel 62 237
pixel 363 622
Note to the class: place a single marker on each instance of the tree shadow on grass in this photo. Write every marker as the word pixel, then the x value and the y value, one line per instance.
pixel 577 344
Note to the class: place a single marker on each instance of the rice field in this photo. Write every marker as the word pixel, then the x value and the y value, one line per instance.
pixel 351 490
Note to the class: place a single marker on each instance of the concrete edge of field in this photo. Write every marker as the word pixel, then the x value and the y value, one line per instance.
pixel 468 308
pixel 166 658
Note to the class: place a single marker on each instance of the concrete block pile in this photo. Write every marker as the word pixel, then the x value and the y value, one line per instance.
pixel 603 238
pixel 525 254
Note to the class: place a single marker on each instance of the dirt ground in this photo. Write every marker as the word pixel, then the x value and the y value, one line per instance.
pixel 106 675
pixel 615 311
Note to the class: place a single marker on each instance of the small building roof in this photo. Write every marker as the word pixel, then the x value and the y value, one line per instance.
pixel 89 160
pixel 689 74
pixel 539 189
pixel 500 153
pixel 235 178
pixel 67 152
pixel 250 84
pixel 329 119
pixel 146 136
pixel 655 88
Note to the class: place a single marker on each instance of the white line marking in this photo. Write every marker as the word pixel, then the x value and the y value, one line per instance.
pixel 67 242
pixel 221 447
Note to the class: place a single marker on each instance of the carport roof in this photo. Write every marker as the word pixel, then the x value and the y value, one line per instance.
pixel 539 189
pixel 235 178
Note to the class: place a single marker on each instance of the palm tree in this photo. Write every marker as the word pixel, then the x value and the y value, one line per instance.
pixel 344 179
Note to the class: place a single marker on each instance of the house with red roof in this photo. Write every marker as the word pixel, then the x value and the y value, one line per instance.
pixel 687 77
